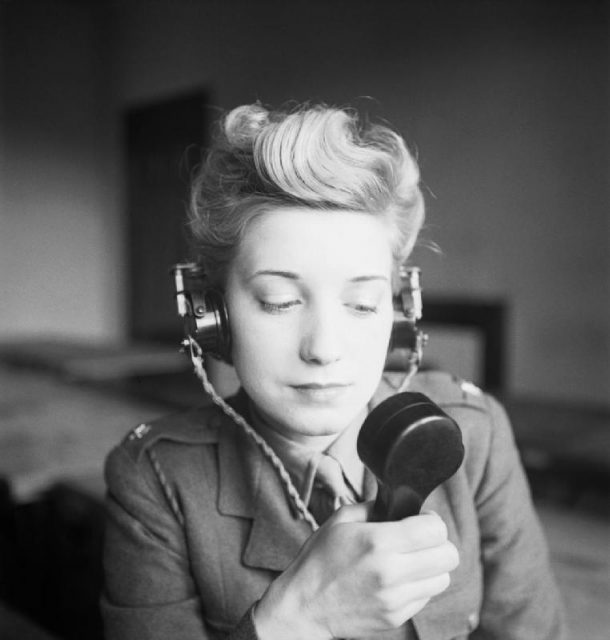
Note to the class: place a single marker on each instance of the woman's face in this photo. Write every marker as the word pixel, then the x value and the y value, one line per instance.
pixel 310 305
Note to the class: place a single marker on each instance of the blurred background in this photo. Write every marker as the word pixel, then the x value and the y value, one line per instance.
pixel 105 108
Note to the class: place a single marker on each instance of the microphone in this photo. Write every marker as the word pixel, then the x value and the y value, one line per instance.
pixel 411 446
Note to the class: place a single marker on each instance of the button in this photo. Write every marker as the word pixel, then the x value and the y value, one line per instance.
pixel 139 432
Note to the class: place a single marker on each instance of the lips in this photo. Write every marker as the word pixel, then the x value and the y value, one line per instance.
pixel 321 392
pixel 320 385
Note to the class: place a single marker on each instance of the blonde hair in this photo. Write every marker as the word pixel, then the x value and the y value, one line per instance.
pixel 316 156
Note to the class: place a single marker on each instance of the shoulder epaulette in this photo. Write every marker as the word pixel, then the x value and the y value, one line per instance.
pixel 198 426
pixel 448 390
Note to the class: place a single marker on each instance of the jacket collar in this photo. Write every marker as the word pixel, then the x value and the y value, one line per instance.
pixel 251 488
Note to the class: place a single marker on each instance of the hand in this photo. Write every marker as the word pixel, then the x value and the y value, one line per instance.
pixel 354 577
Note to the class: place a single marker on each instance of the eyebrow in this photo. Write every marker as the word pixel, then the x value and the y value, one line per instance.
pixel 290 275
pixel 368 278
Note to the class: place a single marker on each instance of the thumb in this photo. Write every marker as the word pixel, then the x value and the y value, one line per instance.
pixel 353 513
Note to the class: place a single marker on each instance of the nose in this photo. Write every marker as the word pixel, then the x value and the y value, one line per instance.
pixel 321 337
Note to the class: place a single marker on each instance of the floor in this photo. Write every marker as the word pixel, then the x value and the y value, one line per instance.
pixel 580 555
pixel 52 429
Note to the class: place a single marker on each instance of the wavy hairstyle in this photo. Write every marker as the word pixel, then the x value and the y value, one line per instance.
pixel 316 156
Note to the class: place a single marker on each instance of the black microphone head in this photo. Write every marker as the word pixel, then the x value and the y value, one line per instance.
pixel 408 441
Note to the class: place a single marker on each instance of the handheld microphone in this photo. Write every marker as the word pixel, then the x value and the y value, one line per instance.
pixel 411 446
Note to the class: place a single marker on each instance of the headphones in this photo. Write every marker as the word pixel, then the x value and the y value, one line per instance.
pixel 206 321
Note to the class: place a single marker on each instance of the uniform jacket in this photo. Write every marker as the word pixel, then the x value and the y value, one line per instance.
pixel 199 525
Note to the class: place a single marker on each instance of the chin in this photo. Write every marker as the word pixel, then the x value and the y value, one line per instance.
pixel 320 421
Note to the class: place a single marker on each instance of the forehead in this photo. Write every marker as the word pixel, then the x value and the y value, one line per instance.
pixel 305 239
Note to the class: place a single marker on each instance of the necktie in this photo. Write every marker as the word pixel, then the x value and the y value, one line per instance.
pixel 329 491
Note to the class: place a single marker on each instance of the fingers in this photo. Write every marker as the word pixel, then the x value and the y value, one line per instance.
pixel 411 534
pixel 409 550
pixel 396 605
pixel 419 565
pixel 423 590
pixel 416 533
pixel 421 532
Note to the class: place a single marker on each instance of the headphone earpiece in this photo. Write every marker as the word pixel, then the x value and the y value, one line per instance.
pixel 213 333
pixel 407 340
pixel 203 310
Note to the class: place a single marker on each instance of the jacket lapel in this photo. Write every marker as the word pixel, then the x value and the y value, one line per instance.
pixel 277 534
pixel 250 487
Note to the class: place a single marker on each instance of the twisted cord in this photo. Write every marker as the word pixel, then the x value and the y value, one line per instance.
pixel 406 381
pixel 167 490
pixel 414 360
pixel 197 360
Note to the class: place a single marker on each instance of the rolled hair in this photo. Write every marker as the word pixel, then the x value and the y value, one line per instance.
pixel 316 156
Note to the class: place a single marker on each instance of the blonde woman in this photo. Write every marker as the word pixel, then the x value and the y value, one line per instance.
pixel 302 219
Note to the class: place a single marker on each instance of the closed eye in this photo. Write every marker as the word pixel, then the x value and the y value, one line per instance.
pixel 364 309
pixel 278 307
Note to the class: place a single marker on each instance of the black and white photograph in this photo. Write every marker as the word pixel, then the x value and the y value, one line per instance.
pixel 304 320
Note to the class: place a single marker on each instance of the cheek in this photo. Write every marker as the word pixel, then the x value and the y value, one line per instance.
pixel 373 349
pixel 366 347
pixel 375 337
pixel 376 346
pixel 258 349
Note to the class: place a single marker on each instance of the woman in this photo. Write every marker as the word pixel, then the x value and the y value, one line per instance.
pixel 303 219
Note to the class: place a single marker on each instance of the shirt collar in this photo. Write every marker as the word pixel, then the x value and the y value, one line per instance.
pixel 343 450
pixel 301 461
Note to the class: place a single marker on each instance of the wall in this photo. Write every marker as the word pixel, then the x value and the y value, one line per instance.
pixel 505 102
pixel 507 105
pixel 60 241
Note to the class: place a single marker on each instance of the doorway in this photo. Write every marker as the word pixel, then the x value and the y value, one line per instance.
pixel 164 142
